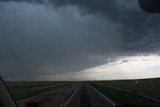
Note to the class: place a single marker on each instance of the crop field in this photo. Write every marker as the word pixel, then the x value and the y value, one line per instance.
pixel 145 87
pixel 22 90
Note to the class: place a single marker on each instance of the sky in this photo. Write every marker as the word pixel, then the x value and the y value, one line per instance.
pixel 78 40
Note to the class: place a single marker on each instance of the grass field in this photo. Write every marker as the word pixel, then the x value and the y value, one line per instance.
pixel 147 87
pixel 22 90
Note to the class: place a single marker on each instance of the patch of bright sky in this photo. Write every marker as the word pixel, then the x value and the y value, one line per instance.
pixel 131 67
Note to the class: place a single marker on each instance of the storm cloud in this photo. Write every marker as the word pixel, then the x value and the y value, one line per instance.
pixel 39 38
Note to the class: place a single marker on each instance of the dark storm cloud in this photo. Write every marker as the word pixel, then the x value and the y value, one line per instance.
pixel 71 35
pixel 125 12
pixel 139 30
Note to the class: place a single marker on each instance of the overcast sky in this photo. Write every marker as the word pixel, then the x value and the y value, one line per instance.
pixel 50 39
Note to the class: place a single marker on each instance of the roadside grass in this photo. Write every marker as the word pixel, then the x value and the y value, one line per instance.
pixel 121 98
pixel 147 87
pixel 23 90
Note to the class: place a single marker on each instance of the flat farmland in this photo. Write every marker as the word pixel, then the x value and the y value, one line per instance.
pixel 145 87
pixel 23 90
pixel 143 92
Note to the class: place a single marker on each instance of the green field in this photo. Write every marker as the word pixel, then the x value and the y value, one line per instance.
pixel 146 87
pixel 22 90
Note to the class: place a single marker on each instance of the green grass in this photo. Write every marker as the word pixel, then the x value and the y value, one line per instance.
pixel 147 87
pixel 119 97
pixel 23 90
